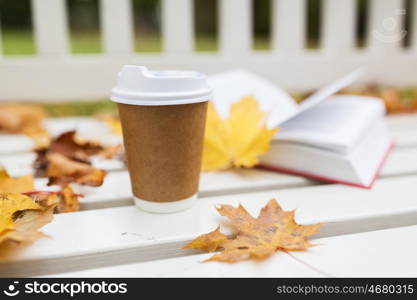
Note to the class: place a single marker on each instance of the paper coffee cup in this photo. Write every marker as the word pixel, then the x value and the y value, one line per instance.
pixel 163 117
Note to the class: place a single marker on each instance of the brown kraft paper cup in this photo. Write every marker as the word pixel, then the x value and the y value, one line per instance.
pixel 164 149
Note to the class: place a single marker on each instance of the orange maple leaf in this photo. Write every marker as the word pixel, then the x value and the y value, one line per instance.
pixel 62 171
pixel 64 200
pixel 257 238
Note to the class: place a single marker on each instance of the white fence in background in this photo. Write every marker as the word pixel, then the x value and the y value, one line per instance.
pixel 55 74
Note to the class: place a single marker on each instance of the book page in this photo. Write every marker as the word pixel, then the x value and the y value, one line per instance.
pixel 322 94
pixel 231 86
pixel 335 124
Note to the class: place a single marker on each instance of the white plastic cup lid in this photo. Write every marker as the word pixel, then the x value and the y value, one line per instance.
pixel 136 85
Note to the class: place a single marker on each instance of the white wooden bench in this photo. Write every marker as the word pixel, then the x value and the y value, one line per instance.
pixel 110 237
pixel 350 255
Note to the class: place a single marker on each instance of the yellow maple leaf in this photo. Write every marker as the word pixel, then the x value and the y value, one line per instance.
pixel 257 238
pixel 11 204
pixel 26 228
pixel 112 122
pixel 238 140
pixel 15 185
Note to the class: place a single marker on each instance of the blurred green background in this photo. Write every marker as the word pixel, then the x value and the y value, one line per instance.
pixel 84 20
pixel 84 33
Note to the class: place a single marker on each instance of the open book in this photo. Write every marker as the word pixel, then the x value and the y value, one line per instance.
pixel 335 138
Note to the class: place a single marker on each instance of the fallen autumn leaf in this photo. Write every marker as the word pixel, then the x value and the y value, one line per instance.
pixel 237 141
pixel 256 238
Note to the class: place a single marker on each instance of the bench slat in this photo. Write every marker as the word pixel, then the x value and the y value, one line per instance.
pixel 339 26
pixel 402 127
pixel 50 27
pixel 280 265
pixel 177 26
pixel 87 128
pixel 382 39
pixel 117 26
pixel 21 163
pixel 354 255
pixel 235 27
pixel 116 191
pixel 120 235
pixel 288 26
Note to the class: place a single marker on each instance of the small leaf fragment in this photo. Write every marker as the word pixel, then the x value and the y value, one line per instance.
pixel 208 242
pixel 64 200
pixel 68 201
pixel 15 185
pixel 25 119
pixel 112 122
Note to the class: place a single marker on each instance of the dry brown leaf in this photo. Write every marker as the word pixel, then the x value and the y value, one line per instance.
pixel 25 119
pixel 68 201
pixel 44 198
pixel 68 145
pixel 396 100
pixel 67 160
pixel 60 165
pixel 256 238
pixel 14 118
pixel 15 185
pixel 64 201
pixel 111 151
pixel 40 165
pixel 62 171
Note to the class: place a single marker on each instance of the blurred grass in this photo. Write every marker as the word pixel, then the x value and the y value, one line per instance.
pixel 18 42
pixel 88 42
pixel 148 43
pixel 21 42
pixel 79 108
pixel 85 42
pixel 206 43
